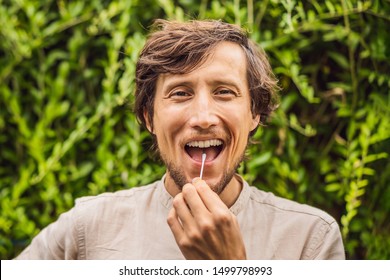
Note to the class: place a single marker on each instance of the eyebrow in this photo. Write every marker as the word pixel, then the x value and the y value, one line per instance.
pixel 179 81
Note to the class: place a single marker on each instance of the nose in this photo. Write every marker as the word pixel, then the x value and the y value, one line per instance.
pixel 203 112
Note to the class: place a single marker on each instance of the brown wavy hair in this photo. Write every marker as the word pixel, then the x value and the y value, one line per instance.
pixel 178 48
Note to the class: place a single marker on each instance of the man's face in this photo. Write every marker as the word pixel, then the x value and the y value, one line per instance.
pixel 206 110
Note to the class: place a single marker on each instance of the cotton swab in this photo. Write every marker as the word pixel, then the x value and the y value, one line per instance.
pixel 203 160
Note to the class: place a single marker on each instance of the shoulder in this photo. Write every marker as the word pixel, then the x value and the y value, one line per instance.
pixel 281 206
pixel 118 195
pixel 119 202
pixel 314 232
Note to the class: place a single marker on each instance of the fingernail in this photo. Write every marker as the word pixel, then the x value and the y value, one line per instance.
pixel 195 180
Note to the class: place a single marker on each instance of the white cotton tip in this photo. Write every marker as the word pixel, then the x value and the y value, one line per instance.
pixel 203 161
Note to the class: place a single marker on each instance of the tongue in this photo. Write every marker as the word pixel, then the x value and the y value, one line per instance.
pixel 196 153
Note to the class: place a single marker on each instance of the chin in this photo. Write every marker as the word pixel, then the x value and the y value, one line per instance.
pixel 219 184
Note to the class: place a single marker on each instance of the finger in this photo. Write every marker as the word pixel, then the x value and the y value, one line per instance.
pixel 210 198
pixel 183 212
pixel 194 201
pixel 175 225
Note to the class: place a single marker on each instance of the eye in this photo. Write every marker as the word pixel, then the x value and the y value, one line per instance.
pixel 180 93
pixel 225 92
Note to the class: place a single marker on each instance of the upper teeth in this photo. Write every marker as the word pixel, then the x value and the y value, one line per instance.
pixel 205 144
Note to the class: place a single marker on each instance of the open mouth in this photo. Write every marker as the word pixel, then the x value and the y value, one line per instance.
pixel 212 148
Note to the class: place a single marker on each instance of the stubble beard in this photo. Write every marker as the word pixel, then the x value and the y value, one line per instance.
pixel 180 179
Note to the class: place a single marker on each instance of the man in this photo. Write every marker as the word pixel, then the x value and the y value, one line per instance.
pixel 202 90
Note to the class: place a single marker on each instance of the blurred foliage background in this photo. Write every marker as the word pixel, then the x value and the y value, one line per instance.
pixel 67 129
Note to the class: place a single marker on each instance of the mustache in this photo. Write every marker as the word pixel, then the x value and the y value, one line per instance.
pixel 212 133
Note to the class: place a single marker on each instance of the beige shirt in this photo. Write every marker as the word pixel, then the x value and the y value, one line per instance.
pixel 131 224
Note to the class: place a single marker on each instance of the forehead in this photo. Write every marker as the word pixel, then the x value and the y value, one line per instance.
pixel 230 53
pixel 226 63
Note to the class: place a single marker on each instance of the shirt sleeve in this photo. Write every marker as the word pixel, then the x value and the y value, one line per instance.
pixel 331 245
pixel 58 241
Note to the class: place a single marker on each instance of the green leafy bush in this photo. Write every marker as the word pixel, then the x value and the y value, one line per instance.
pixel 67 130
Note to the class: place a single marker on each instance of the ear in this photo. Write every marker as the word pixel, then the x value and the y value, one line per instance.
pixel 148 121
pixel 255 122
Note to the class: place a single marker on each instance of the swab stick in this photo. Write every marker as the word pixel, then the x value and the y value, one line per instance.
pixel 203 160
